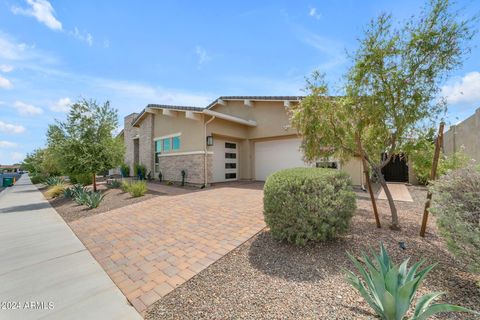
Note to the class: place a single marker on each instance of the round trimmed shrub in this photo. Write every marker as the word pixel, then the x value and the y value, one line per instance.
pixel 308 204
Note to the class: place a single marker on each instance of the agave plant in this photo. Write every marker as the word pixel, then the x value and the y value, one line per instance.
pixel 81 195
pixel 54 181
pixel 390 289
pixel 93 199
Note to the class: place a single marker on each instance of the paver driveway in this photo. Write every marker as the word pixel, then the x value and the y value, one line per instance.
pixel 151 247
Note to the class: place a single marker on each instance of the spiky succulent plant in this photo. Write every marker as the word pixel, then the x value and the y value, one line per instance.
pixel 390 289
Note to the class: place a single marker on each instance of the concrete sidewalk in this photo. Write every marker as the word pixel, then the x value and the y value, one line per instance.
pixel 45 271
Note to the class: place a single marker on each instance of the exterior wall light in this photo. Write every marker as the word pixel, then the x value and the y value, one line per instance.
pixel 209 141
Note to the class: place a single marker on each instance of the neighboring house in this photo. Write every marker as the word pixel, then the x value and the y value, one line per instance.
pixel 464 137
pixel 233 138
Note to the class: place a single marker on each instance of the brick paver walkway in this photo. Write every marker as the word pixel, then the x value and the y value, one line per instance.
pixel 151 247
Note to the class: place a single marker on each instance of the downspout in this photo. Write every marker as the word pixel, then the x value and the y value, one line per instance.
pixel 205 151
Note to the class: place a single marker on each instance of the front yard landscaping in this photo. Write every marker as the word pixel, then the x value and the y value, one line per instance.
pixel 113 198
pixel 268 279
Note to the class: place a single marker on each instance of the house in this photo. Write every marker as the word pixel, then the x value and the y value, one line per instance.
pixel 465 137
pixel 233 138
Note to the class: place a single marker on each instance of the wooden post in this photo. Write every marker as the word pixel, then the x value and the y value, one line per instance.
pixel 94 180
pixel 433 176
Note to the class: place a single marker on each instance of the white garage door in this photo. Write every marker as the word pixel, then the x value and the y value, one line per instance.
pixel 271 156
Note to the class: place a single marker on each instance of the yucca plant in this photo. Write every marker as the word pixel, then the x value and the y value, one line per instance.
pixel 390 289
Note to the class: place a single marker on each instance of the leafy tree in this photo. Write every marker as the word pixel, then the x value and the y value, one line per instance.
pixel 390 90
pixel 420 154
pixel 84 143
pixel 42 161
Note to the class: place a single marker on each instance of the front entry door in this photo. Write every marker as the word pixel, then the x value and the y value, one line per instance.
pixel 225 160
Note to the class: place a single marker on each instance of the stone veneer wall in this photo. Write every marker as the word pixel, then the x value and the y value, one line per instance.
pixel 129 133
pixel 172 165
pixel 146 143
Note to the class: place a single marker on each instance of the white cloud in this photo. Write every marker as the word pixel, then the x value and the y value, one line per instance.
pixel 466 89
pixel 5 68
pixel 106 43
pixel 332 50
pixel 202 55
pixel 42 10
pixel 7 144
pixel 26 109
pixel 5 83
pixel 84 37
pixel 313 13
pixel 17 156
pixel 11 128
pixel 62 105
pixel 10 50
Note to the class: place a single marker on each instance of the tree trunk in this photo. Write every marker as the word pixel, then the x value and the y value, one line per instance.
pixel 367 180
pixel 395 224
pixel 94 182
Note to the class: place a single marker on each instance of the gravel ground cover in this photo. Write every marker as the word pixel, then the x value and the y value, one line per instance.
pixel 266 279
pixel 114 198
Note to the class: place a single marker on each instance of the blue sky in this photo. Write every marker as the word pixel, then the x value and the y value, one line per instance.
pixel 179 52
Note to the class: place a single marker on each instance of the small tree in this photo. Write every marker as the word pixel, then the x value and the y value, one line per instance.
pixel 85 143
pixel 42 161
pixel 390 90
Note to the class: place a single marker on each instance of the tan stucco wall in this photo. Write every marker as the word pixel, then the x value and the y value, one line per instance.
pixel 355 169
pixel 227 128
pixel 464 137
pixel 271 117
pixel 192 132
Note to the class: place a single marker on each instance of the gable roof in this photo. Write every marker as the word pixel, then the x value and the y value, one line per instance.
pixel 213 103
pixel 263 98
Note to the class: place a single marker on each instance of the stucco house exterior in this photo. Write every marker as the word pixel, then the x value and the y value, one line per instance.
pixel 233 138
pixel 464 137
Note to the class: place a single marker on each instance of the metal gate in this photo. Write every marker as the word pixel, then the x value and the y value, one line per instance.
pixel 397 169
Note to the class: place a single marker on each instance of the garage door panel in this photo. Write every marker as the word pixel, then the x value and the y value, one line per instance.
pixel 272 156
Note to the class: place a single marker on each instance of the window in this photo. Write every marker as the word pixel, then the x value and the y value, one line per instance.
pixel 166 144
pixel 229 155
pixel 230 165
pixel 327 164
pixel 175 143
pixel 230 175
pixel 230 145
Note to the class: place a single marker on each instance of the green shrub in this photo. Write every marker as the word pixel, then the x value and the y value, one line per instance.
pixel 55 190
pixel 456 203
pixel 115 184
pixel 125 186
pixel 38 178
pixel 54 181
pixel 84 179
pixel 390 289
pixel 125 170
pixel 138 188
pixel 304 204
pixel 140 171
